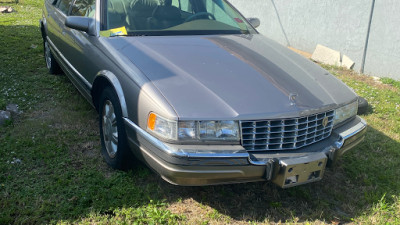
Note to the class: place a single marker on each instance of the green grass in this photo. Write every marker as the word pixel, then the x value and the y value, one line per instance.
pixel 61 177
pixel 392 82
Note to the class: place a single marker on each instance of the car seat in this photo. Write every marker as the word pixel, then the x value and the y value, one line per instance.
pixel 165 16
pixel 140 11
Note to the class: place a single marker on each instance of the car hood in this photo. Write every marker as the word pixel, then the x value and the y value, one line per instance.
pixel 232 76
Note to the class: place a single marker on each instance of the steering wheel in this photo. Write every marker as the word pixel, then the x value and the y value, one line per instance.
pixel 199 14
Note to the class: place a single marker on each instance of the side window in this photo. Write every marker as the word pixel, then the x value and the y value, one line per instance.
pixel 64 5
pixel 83 8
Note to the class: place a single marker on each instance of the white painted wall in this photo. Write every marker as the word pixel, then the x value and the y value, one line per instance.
pixel 338 24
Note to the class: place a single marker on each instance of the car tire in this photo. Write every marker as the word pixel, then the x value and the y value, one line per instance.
pixel 114 145
pixel 51 62
pixel 362 106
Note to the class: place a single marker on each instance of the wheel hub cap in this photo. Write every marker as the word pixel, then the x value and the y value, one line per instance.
pixel 110 129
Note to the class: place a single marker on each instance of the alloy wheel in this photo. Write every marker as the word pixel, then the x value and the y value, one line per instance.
pixel 110 129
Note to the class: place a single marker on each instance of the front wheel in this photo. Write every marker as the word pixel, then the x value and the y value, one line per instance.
pixel 112 130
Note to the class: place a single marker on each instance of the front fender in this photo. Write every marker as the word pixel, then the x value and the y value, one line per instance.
pixel 107 78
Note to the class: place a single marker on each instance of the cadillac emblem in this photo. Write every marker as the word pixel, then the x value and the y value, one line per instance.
pixel 325 122
pixel 292 98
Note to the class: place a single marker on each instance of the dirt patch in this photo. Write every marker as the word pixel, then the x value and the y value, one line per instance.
pixel 369 80
pixel 86 149
pixel 303 53
pixel 42 113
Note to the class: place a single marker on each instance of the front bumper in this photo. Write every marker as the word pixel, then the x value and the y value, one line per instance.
pixel 220 164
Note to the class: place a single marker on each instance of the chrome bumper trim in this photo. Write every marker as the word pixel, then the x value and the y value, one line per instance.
pixel 347 134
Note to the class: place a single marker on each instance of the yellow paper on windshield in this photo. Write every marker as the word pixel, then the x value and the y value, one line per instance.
pixel 114 32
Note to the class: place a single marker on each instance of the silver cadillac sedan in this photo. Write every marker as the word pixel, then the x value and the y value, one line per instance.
pixel 194 91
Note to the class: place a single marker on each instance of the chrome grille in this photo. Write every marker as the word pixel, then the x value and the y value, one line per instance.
pixel 285 134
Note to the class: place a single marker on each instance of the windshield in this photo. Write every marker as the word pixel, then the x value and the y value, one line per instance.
pixel 172 17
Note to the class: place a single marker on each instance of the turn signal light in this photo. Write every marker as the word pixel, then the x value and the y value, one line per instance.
pixel 151 123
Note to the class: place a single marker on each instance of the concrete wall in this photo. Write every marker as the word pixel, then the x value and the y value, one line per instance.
pixel 338 24
pixel 383 56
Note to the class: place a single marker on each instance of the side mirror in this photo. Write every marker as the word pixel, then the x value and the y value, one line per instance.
pixel 81 23
pixel 255 22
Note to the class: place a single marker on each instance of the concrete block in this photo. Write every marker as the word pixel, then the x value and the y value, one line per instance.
pixel 347 62
pixel 326 55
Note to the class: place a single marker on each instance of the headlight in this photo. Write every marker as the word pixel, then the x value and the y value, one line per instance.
pixel 192 131
pixel 345 112
pixel 217 130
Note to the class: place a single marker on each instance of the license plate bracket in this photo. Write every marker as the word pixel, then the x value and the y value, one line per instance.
pixel 300 170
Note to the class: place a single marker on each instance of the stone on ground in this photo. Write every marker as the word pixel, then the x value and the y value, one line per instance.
pixel 4 116
pixel 6 9
pixel 13 109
